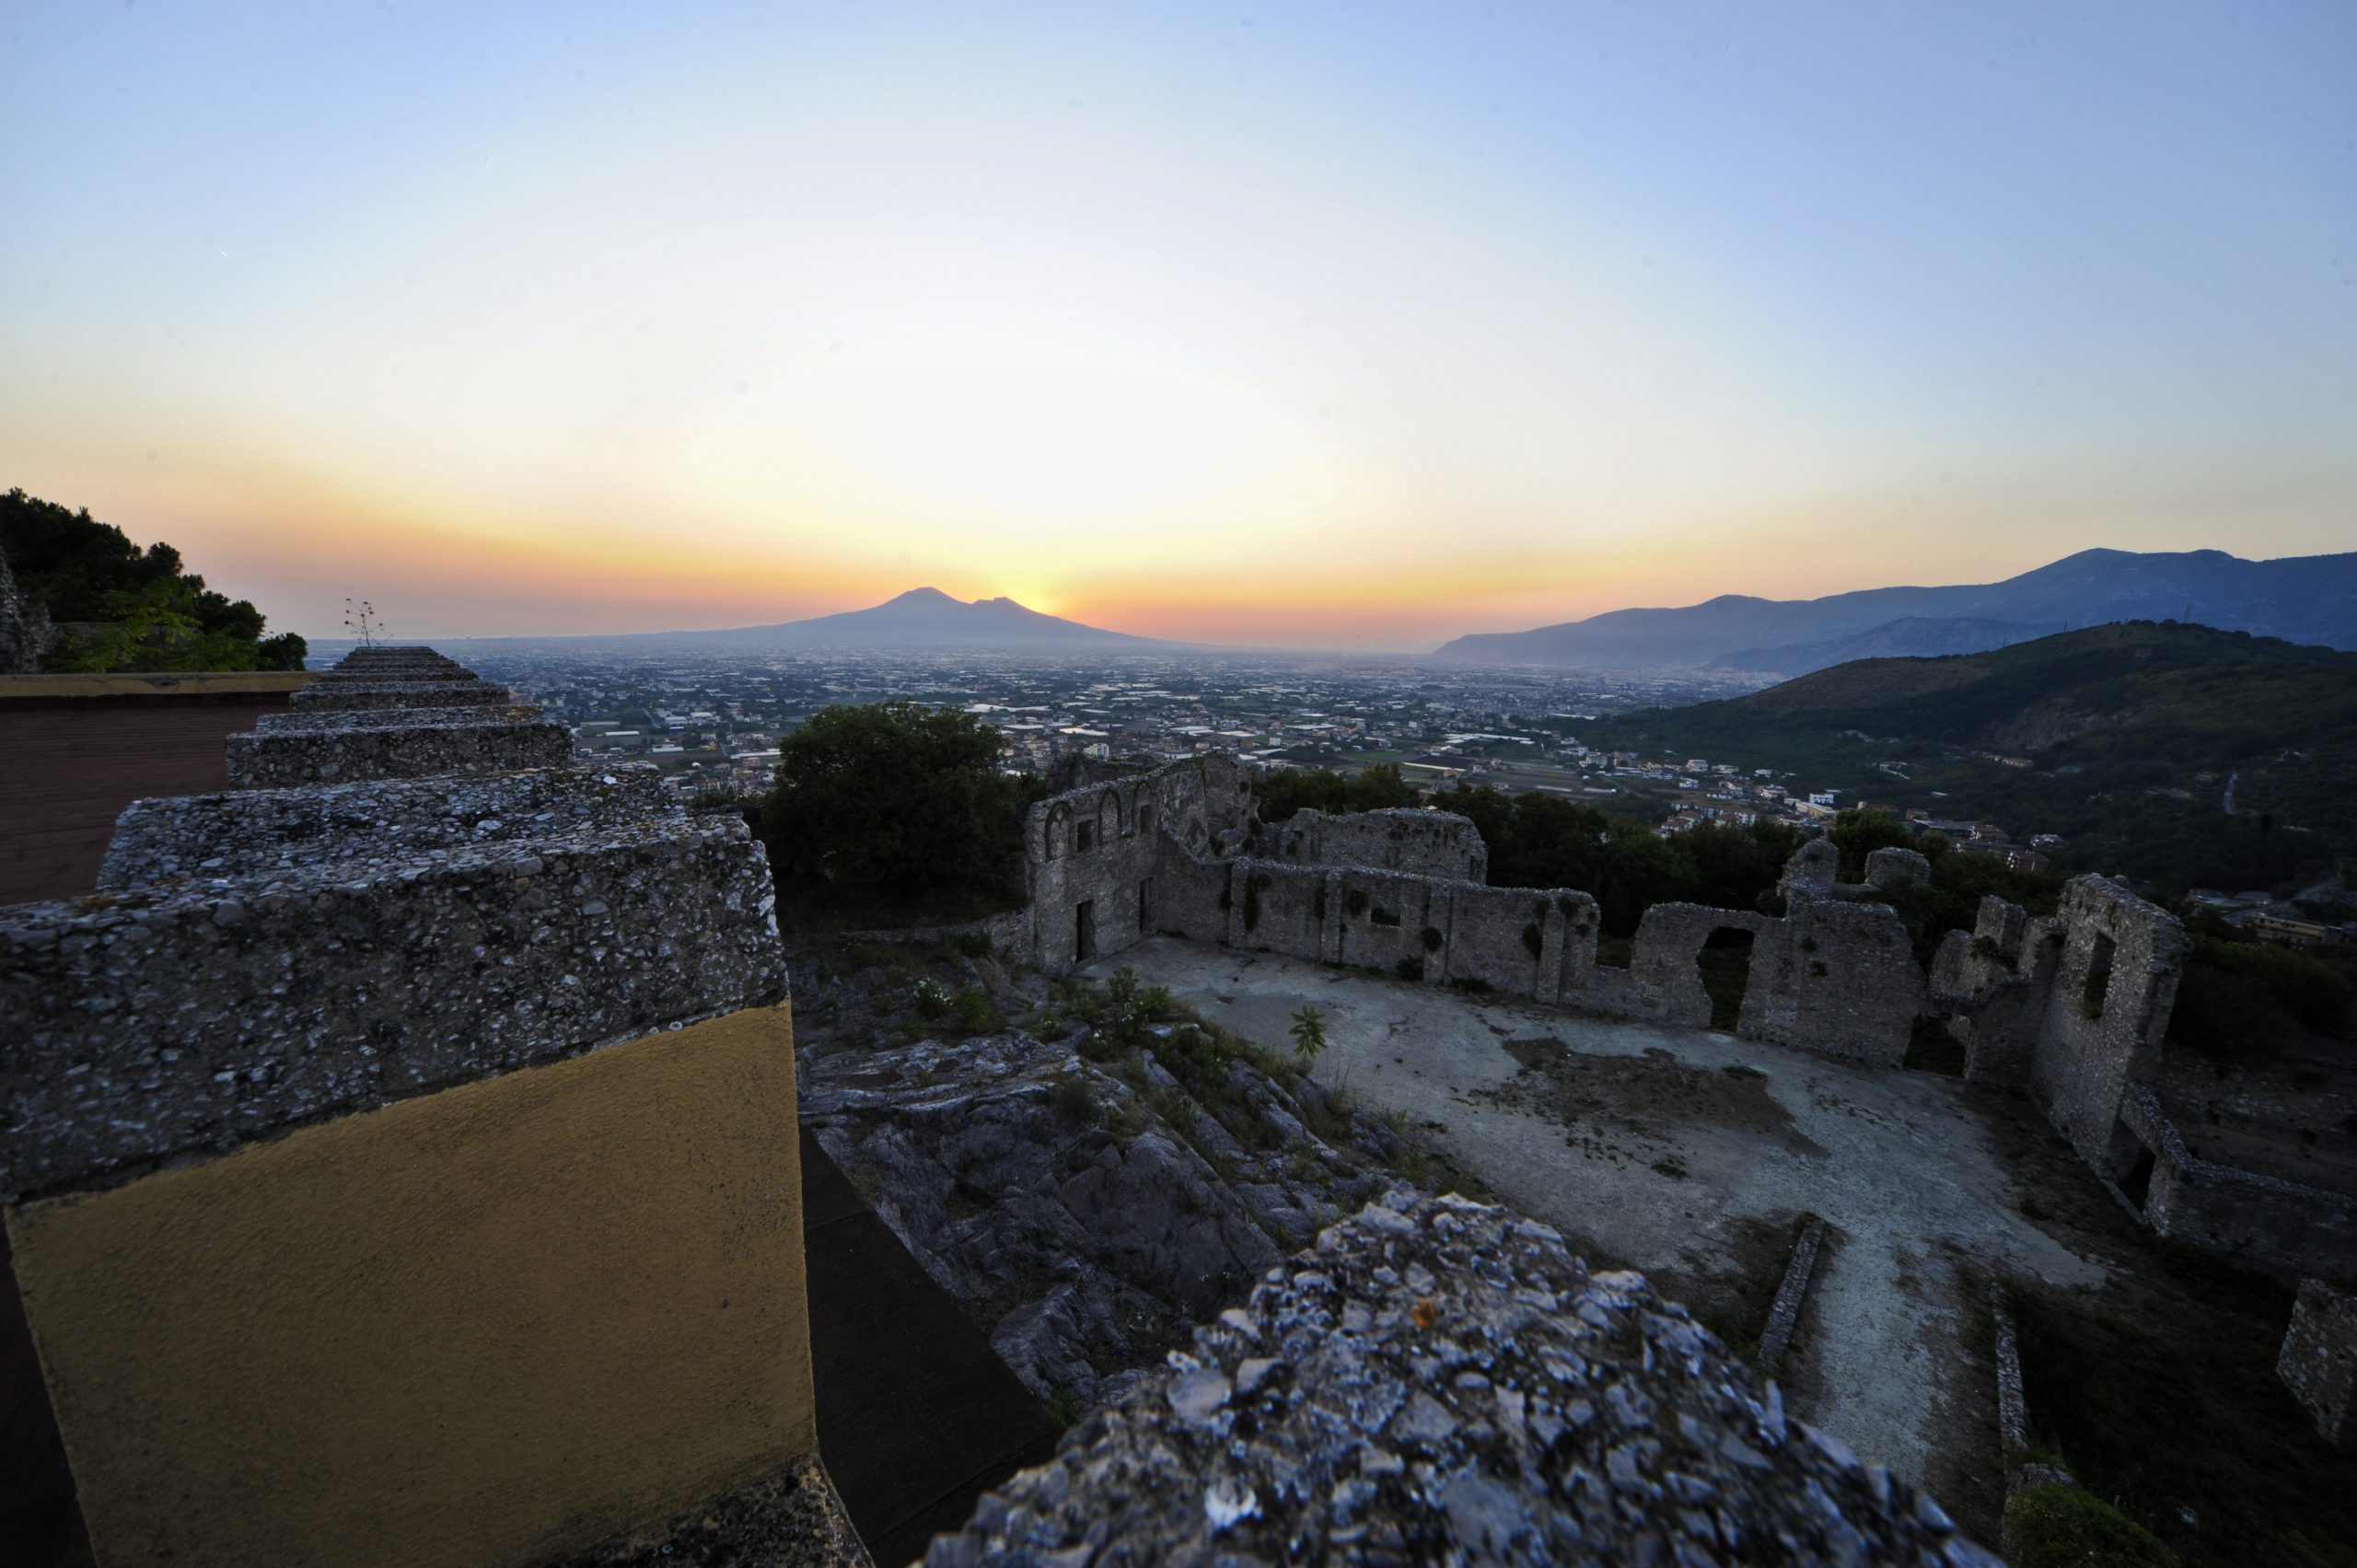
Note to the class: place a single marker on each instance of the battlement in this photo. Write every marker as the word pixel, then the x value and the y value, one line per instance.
pixel 404 1167
pixel 257 833
pixel 403 693
pixel 291 748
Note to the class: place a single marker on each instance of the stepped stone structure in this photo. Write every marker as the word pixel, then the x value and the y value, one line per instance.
pixel 400 1165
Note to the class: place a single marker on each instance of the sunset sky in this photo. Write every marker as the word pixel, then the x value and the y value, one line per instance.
pixel 1351 325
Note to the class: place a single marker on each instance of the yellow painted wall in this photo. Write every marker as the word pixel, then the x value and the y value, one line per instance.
pixel 226 683
pixel 479 1327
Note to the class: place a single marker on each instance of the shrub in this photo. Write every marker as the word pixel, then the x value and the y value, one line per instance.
pixel 1432 938
pixel 1410 968
pixel 931 1001
pixel 972 944
pixel 1355 902
pixel 1986 948
pixel 2065 1527
pixel 1472 985
pixel 975 1013
pixel 1534 939
pixel 1070 1100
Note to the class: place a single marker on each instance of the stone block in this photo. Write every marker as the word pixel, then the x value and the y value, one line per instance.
pixel 321 696
pixel 2318 1363
pixel 156 1023
pixel 332 747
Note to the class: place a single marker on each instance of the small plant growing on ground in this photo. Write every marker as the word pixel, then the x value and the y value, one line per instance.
pixel 1411 968
pixel 931 1001
pixel 1309 1032
pixel 1070 1100
pixel 975 1013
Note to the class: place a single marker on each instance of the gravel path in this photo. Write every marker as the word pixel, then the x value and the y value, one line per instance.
pixel 1664 1163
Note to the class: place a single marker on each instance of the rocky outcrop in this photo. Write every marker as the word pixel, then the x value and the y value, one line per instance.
pixel 1440 1381
pixel 1086 1212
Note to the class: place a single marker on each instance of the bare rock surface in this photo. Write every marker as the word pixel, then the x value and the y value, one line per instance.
pixel 1441 1381
pixel 1082 1205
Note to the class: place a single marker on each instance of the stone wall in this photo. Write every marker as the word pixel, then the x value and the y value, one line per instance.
pixel 26 633
pixel 1429 844
pixel 2319 1360
pixel 2280 1228
pixel 1092 855
pixel 2106 1009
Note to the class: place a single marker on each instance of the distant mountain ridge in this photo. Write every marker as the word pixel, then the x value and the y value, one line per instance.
pixel 927 618
pixel 2200 756
pixel 2304 599
pixel 1913 636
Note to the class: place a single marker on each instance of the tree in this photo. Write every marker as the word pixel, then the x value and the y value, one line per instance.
pixel 892 800
pixel 156 614
pixel 1858 834
pixel 1283 791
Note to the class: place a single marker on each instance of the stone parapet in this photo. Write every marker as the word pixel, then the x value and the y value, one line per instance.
pixel 332 747
pixel 1441 1381
pixel 380 829
pixel 337 694
pixel 409 674
pixel 146 1025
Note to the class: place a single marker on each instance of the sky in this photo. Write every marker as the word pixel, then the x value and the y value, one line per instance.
pixel 1355 325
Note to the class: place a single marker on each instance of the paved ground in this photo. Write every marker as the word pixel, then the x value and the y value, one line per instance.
pixel 1639 1141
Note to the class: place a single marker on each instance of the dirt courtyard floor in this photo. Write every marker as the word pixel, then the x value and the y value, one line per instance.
pixel 1692 1155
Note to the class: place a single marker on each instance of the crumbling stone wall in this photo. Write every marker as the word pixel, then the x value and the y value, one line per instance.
pixel 2318 1363
pixel 2106 1009
pixel 2280 1228
pixel 1439 1381
pixel 1428 843
pixel 26 633
pixel 1092 855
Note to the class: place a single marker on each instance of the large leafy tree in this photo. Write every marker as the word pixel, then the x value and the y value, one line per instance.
pixel 155 613
pixel 1283 791
pixel 893 800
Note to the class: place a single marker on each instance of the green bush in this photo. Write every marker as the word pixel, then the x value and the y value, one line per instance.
pixel 1410 968
pixel 2064 1526
pixel 1072 1101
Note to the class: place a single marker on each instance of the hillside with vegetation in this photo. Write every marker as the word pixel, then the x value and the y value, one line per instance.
pixel 2180 753
pixel 118 607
